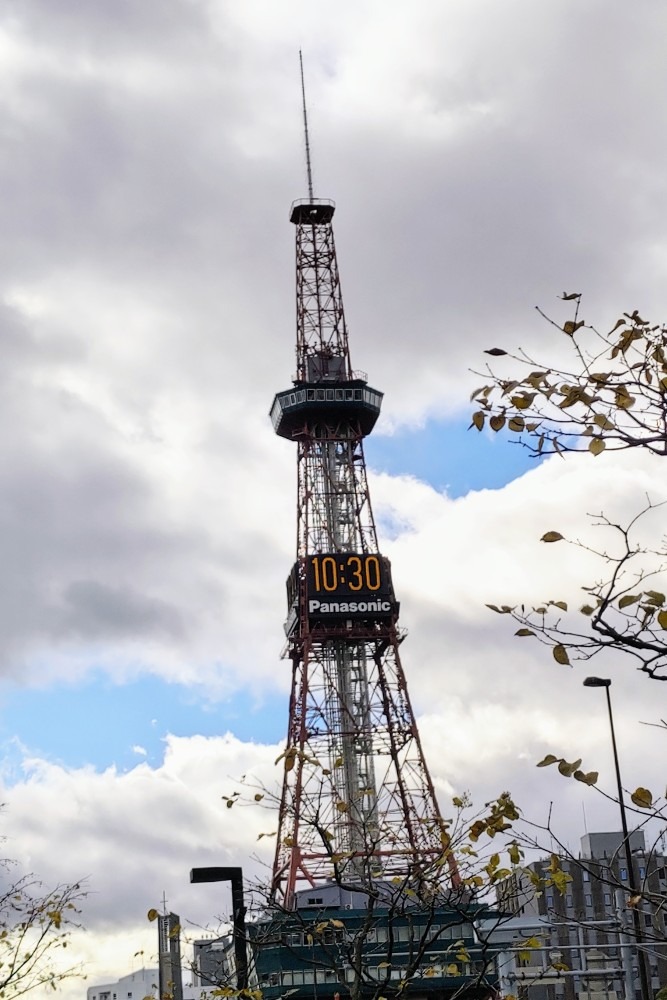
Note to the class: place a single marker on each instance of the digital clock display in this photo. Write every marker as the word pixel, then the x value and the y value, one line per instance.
pixel 348 585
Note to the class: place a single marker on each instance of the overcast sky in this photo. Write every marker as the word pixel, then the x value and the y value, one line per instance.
pixel 484 156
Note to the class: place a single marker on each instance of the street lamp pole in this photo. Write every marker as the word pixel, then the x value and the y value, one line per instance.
pixel 605 683
pixel 235 876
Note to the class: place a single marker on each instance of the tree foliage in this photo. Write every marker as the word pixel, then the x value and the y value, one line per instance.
pixel 35 926
pixel 625 610
pixel 612 396
pixel 435 923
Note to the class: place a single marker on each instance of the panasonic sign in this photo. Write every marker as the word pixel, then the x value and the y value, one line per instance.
pixel 378 606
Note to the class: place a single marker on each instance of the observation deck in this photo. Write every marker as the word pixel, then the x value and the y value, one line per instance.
pixel 329 403
pixel 313 212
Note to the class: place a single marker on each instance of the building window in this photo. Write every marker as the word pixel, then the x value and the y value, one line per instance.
pixel 568 900
pixel 550 900
pixel 624 874
pixel 642 872
pixel 648 919
pixel 586 876
pixel 607 899
pixel 589 899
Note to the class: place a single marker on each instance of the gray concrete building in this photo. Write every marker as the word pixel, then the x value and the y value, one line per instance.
pixel 588 948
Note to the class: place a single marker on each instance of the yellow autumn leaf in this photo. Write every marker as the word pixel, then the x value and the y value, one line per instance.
pixel 551 536
pixel 549 759
pixel 589 778
pixel 531 942
pixel 523 402
pixel 642 797
pixel 560 655
pixel 514 853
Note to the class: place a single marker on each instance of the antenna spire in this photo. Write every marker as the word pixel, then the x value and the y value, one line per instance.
pixel 305 130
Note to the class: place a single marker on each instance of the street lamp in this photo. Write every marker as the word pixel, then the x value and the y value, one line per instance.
pixel 605 682
pixel 235 876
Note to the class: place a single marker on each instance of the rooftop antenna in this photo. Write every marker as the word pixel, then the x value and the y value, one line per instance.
pixel 305 130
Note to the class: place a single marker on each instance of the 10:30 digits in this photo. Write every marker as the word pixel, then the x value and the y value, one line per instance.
pixel 355 572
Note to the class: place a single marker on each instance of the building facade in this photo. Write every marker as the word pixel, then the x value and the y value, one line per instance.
pixel 135 986
pixel 588 929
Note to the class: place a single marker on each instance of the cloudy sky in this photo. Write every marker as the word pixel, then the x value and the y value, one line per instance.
pixel 484 156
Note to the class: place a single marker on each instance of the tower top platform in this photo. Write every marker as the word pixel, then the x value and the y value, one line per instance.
pixel 312 211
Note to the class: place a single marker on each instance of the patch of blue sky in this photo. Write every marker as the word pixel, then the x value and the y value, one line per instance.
pixel 103 724
pixel 449 457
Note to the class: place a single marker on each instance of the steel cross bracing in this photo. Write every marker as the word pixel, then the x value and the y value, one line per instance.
pixel 320 321
pixel 334 511
pixel 357 801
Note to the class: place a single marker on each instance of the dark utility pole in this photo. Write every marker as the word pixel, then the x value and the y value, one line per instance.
pixel 644 979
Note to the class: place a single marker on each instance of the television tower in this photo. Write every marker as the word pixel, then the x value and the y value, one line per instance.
pixel 357 800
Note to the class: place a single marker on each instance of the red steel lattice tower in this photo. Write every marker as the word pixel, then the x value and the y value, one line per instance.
pixel 357 800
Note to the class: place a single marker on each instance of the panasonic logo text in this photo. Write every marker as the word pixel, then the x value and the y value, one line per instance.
pixel 347 607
